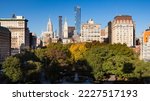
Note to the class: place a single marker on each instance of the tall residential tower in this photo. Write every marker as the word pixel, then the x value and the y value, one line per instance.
pixel 60 27
pixel 77 11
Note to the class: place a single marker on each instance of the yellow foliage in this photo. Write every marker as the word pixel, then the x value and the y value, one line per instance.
pixel 77 50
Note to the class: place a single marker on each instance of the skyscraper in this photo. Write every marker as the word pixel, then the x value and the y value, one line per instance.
pixel 48 35
pixel 77 11
pixel 65 29
pixel 49 26
pixel 65 39
pixel 60 26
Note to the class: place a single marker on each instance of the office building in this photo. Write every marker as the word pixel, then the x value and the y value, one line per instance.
pixel 65 30
pixel 122 30
pixel 65 39
pixel 20 37
pixel 48 34
pixel 91 31
pixel 38 42
pixel 71 30
pixel 5 43
pixel 104 35
pixel 33 40
pixel 60 27
pixel 145 46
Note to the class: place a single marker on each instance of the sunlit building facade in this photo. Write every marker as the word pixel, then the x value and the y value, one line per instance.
pixel 122 30
pixel 90 31
pixel 20 37
pixel 48 34
pixel 65 39
pixel 145 46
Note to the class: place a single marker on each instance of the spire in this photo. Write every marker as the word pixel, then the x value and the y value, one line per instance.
pixel 49 26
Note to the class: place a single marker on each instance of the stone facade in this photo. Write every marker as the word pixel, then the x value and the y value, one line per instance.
pixel 20 37
pixel 122 30
pixel 90 32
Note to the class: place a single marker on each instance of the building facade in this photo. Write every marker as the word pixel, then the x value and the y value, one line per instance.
pixel 5 43
pixel 65 39
pixel 145 46
pixel 33 40
pixel 38 42
pixel 104 35
pixel 48 34
pixel 65 30
pixel 77 11
pixel 60 27
pixel 20 37
pixel 90 32
pixel 71 30
pixel 122 30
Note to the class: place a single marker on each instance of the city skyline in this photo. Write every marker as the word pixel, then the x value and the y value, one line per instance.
pixel 102 11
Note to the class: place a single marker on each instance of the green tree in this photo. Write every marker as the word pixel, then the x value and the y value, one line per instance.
pixel 32 71
pixel 12 69
pixel 141 68
pixel 95 57
pixel 40 54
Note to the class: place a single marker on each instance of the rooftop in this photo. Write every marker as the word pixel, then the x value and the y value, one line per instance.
pixel 14 18
pixel 123 17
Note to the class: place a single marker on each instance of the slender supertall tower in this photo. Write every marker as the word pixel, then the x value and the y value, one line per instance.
pixel 77 11
pixel 60 27
pixel 65 29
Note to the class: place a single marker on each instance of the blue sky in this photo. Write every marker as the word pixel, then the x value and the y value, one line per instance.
pixel 102 11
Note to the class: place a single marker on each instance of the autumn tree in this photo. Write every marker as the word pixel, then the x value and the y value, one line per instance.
pixel 77 50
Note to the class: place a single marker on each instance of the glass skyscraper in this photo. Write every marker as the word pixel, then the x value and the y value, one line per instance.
pixel 77 11
pixel 60 26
